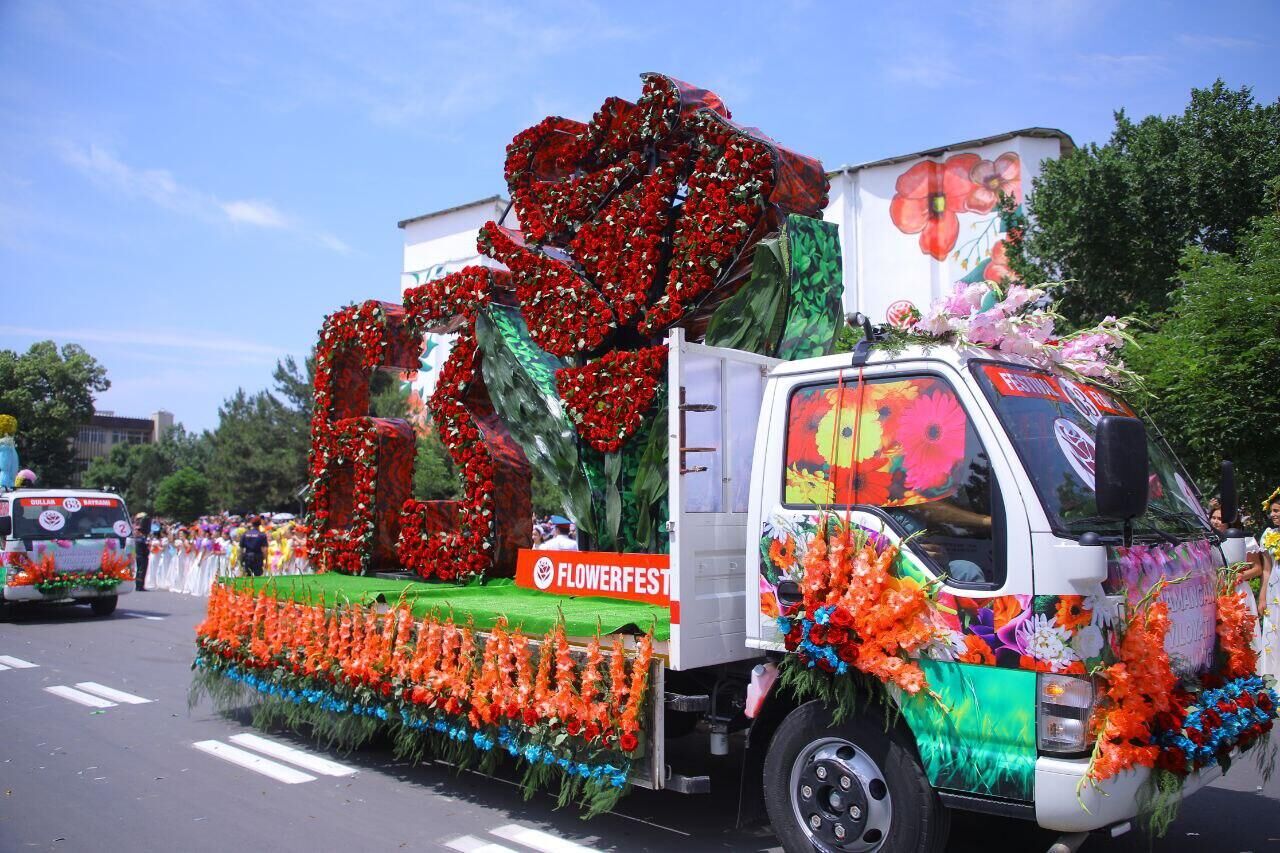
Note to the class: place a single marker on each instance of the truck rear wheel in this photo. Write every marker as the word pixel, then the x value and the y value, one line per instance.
pixel 104 606
pixel 849 788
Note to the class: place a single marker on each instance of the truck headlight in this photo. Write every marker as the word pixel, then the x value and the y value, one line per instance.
pixel 1064 706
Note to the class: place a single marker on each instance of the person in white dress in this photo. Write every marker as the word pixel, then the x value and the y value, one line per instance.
pixel 1269 605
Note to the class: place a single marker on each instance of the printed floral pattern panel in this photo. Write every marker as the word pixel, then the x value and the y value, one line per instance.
pixel 904 449
pixel 1045 633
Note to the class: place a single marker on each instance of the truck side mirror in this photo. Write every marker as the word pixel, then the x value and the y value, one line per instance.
pixel 1121 467
pixel 1227 493
pixel 6 525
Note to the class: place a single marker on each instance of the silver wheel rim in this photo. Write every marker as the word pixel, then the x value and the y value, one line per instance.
pixel 840 798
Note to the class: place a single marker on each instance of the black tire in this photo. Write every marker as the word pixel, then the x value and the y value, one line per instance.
pixel 104 606
pixel 897 811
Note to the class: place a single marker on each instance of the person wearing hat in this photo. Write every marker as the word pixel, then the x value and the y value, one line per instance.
pixel 562 541
pixel 141 550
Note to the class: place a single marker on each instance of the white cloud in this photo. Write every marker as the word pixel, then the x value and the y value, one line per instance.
pixel 162 189
pixel 1202 41
pixel 258 213
pixel 194 339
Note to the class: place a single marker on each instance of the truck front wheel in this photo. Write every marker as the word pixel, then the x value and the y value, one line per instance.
pixel 851 787
pixel 104 606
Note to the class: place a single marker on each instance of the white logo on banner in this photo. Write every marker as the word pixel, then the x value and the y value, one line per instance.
pixel 1082 401
pixel 71 504
pixel 1078 447
pixel 122 528
pixel 52 520
pixel 543 572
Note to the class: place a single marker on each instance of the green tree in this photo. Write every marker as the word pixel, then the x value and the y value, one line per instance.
pixel 183 495
pixel 50 392
pixel 135 470
pixel 434 476
pixel 1211 369
pixel 1115 218
pixel 258 457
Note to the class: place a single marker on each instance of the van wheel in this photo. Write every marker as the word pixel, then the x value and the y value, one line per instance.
pixel 849 788
pixel 104 606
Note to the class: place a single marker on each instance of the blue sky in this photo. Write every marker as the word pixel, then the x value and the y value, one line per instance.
pixel 187 188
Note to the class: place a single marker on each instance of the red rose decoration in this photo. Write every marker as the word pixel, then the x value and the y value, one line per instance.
pixel 628 742
pixel 607 398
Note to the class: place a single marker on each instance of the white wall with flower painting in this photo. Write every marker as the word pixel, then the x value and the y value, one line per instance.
pixel 910 228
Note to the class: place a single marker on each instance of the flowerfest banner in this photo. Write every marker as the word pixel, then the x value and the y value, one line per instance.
pixel 645 218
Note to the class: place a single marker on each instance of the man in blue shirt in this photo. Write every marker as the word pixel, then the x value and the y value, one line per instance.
pixel 253 548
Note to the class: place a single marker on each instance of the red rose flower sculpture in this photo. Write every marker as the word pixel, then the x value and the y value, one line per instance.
pixel 607 398
pixel 641 219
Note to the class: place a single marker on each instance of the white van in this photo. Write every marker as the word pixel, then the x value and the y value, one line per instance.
pixel 65 546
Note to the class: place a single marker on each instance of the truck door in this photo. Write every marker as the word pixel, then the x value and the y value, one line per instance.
pixel 714 407
pixel 906 451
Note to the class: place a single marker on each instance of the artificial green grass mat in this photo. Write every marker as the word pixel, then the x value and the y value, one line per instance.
pixel 533 612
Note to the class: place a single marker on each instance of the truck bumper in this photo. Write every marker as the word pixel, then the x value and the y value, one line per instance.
pixel 30 593
pixel 1064 805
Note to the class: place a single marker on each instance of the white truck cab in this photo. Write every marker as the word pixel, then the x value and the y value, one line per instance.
pixel 65 546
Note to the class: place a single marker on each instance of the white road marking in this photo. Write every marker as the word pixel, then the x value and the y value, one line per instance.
pixel 16 663
pixel 543 842
pixel 305 760
pixel 111 693
pixel 141 616
pixel 76 696
pixel 3 667
pixel 471 844
pixel 256 763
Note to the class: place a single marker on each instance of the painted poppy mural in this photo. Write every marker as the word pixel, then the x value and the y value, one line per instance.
pixel 931 196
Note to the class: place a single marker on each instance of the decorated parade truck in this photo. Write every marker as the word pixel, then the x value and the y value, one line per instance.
pixel 936 564
pixel 65 546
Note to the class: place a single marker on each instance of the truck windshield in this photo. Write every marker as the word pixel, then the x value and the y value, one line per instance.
pixel 1050 420
pixel 69 518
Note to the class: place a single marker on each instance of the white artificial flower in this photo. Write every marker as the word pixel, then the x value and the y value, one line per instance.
pixel 1087 642
pixel 1041 637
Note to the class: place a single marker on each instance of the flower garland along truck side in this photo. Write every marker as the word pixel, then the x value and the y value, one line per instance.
pixel 65 546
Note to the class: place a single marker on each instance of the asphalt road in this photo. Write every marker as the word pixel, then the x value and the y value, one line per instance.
pixel 128 775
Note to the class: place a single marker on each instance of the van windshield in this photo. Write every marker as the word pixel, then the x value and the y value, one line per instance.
pixel 69 518
pixel 1051 420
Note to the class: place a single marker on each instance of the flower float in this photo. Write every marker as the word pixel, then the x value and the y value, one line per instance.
pixel 434 685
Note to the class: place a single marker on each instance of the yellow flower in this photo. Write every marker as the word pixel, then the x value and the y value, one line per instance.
pixel 8 425
pixel 804 487
pixel 836 433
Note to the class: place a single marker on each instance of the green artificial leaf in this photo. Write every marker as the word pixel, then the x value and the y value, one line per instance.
pixel 815 312
pixel 751 319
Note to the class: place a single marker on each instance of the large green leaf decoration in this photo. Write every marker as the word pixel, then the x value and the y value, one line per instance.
pixel 522 385
pixel 754 318
pixel 814 311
